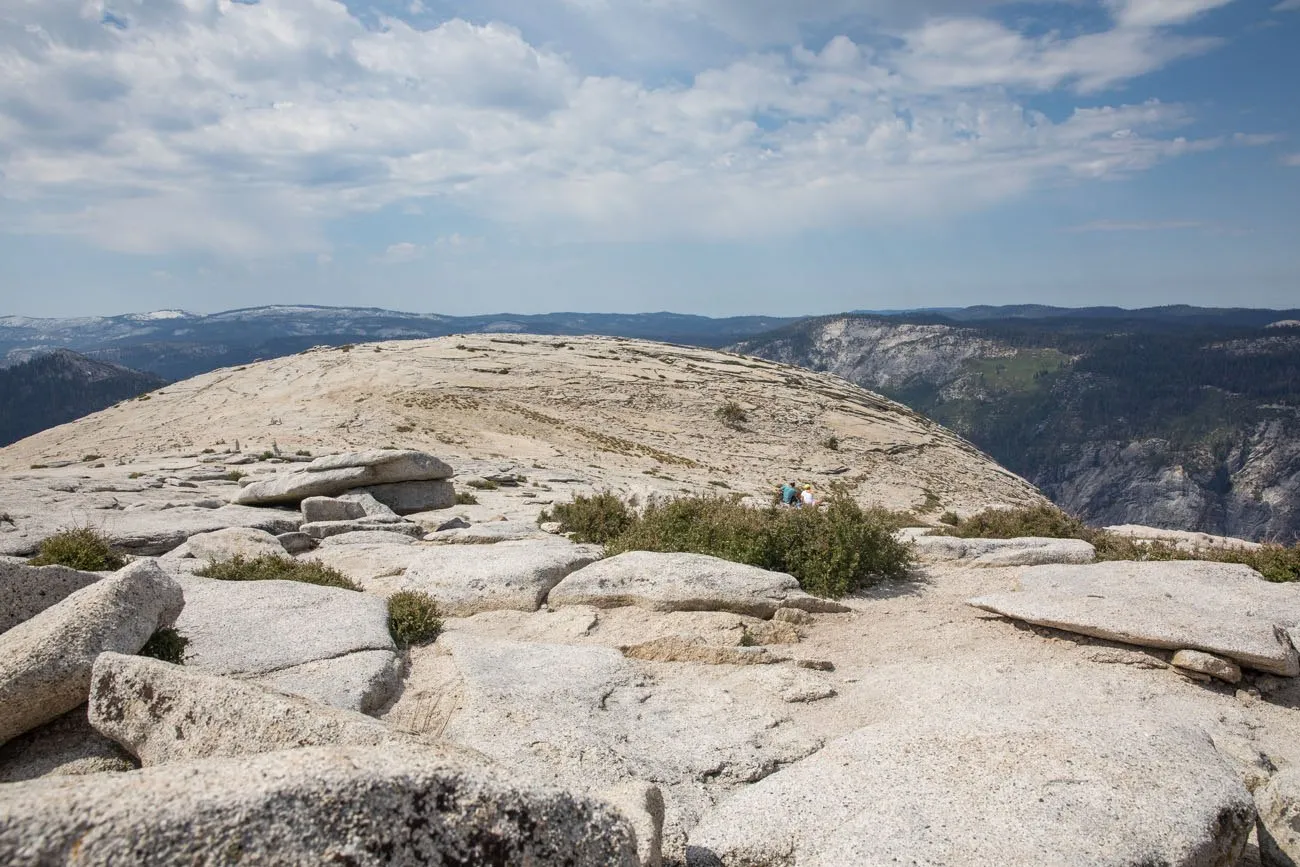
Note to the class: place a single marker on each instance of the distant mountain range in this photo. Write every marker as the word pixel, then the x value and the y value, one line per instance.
pixel 176 345
pixel 1178 416
pixel 1172 316
pixel 60 386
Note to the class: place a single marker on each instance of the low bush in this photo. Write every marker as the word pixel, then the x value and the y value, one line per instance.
pixel 465 498
pixel 599 519
pixel 82 548
pixel 950 518
pixel 166 644
pixel 1045 520
pixel 832 551
pixel 483 484
pixel 274 567
pixel 731 414
pixel 413 618
pixel 1275 562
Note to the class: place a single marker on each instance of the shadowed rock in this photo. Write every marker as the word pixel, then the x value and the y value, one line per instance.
pixel 354 805
pixel 163 713
pixel 337 474
pixel 45 662
pixel 66 747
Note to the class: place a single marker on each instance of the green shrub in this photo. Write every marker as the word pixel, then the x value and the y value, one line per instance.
pixel 1045 520
pixel 413 618
pixel 832 551
pixel 465 498
pixel 274 567
pixel 731 414
pixel 166 644
pixel 600 518
pixel 82 548
pixel 949 518
pixel 483 484
pixel 1275 562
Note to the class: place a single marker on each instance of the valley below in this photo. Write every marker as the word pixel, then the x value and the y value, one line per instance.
pixel 1183 426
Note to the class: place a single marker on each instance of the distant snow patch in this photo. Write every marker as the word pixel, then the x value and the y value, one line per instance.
pixel 159 314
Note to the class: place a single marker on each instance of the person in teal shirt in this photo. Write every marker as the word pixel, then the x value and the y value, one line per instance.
pixel 789 494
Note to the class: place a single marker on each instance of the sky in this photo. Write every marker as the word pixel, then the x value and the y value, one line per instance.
pixel 782 157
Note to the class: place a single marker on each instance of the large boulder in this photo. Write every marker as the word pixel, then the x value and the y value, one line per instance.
pixel 330 509
pixel 1028 551
pixel 337 474
pixel 299 637
pixel 150 533
pixel 247 542
pixel 26 591
pixel 322 805
pixel 1278 802
pixel 45 662
pixel 685 582
pixel 1020 792
pixel 164 713
pixel 66 747
pixel 407 498
pixel 369 505
pixel 469 580
pixel 1220 608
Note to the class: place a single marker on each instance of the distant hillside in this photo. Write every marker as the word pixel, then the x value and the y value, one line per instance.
pixel 176 345
pixel 60 386
pixel 1175 417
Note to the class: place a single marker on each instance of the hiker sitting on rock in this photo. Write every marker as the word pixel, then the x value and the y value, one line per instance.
pixel 807 499
pixel 789 494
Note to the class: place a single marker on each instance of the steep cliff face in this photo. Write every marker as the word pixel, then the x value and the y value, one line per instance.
pixel 1193 429
pixel 1253 491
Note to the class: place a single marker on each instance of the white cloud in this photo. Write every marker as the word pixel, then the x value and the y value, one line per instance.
pixel 1158 13
pixel 1247 139
pixel 244 129
pixel 1138 225
pixel 458 243
pixel 1287 6
pixel 1291 160
pixel 401 253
